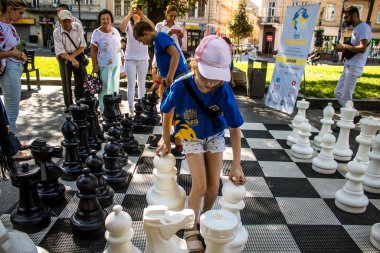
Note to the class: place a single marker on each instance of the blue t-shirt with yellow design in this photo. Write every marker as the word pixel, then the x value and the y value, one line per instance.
pixel 191 122
pixel 160 43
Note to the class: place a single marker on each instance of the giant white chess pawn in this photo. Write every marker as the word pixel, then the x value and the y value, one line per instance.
pixel 327 121
pixel 372 175
pixel 375 235
pixel 302 148
pixel 324 163
pixel 165 190
pixel 218 228
pixel 119 232
pixel 302 105
pixel 293 136
pixel 160 226
pixel 369 127
pixel 233 202
pixel 351 197
pixel 342 151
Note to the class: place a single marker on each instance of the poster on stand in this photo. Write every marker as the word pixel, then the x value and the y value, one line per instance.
pixel 291 58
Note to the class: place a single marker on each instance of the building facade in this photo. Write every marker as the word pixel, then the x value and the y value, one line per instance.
pixel 273 14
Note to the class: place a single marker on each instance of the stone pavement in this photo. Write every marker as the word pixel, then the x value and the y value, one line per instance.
pixel 41 116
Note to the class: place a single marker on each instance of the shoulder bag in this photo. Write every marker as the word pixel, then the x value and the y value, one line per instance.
pixel 80 57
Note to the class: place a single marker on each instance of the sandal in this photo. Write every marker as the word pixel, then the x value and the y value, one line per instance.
pixel 21 156
pixel 24 146
pixel 193 245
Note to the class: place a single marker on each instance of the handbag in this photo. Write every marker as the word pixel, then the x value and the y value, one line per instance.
pixel 93 84
pixel 82 57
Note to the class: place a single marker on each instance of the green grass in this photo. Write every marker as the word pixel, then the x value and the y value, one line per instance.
pixel 49 67
pixel 321 80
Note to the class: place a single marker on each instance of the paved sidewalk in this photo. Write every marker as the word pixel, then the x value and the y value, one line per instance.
pixel 41 116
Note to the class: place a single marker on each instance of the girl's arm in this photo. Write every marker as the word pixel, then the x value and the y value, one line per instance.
pixel 164 147
pixel 124 22
pixel 236 174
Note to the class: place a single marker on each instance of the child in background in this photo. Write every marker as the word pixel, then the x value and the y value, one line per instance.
pixel 123 42
pixel 201 125
pixel 170 64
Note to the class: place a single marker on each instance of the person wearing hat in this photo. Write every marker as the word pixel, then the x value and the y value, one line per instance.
pixel 69 44
pixel 356 51
pixel 203 105
pixel 62 7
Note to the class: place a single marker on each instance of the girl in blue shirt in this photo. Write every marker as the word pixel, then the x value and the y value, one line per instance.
pixel 201 124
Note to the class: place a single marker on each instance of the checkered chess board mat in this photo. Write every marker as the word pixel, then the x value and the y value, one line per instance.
pixel 289 207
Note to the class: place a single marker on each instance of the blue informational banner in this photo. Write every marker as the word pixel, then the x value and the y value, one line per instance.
pixel 291 58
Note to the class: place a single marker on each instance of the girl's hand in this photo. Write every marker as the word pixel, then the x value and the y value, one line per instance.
pixel 236 175
pixel 164 147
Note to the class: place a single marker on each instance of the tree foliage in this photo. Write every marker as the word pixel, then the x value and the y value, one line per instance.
pixel 240 26
pixel 156 7
pixel 318 35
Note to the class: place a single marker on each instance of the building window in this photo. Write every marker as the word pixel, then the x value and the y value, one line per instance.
pixel 127 6
pixel 201 9
pixel 296 3
pixel 360 9
pixel 378 17
pixel 330 12
pixel 117 8
pixel 271 9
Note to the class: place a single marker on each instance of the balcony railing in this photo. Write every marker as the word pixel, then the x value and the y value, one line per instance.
pixel 269 19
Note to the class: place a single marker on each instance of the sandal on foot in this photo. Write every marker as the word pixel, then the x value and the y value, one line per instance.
pixel 193 245
pixel 21 156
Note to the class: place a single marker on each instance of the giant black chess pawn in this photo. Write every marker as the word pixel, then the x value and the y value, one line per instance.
pixel 144 101
pixel 92 118
pixel 115 132
pixel 78 112
pixel 138 126
pixel 72 166
pixel 49 189
pixel 31 215
pixel 112 111
pixel 104 193
pixel 150 115
pixel 88 221
pixel 114 175
pixel 128 142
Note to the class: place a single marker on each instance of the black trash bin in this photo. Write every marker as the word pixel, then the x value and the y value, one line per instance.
pixel 256 78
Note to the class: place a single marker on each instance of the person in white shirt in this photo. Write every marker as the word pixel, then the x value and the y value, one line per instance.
pixel 10 82
pixel 356 52
pixel 136 56
pixel 175 31
pixel 106 55
pixel 69 44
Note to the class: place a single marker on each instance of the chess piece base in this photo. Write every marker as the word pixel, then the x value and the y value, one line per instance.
pixel 28 224
pixel 351 203
pixel 326 171
pixel 375 236
pixel 301 156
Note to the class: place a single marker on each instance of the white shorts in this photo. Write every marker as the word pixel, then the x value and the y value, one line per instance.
pixel 213 144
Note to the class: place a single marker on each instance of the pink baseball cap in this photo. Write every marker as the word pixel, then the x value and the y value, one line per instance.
pixel 214 58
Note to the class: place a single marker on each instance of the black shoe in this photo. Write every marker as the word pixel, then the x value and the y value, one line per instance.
pixel 357 119
pixel 178 155
pixel 153 141
pixel 66 110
